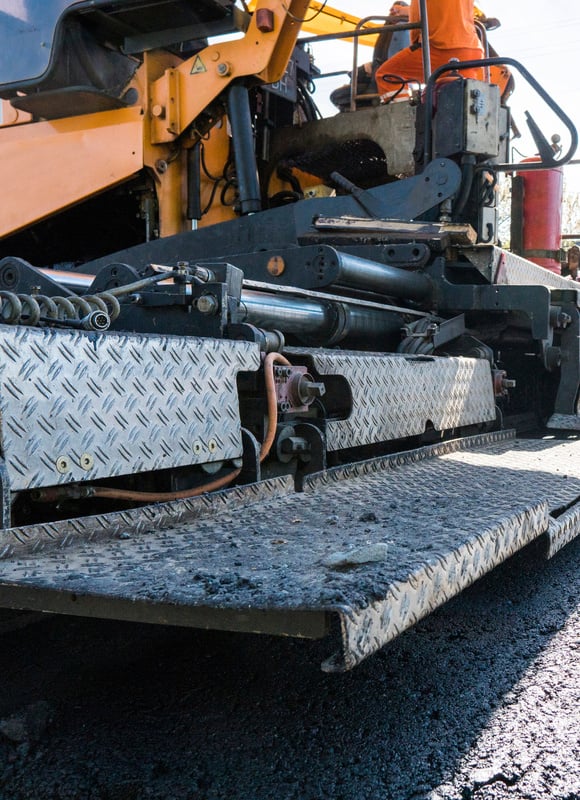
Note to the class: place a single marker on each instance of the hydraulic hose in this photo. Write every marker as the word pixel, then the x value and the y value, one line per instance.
pixel 111 493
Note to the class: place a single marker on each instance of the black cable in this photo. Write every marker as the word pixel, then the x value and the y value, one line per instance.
pixel 393 80
pixel 204 165
pixel 305 101
pixel 214 189
pixel 297 19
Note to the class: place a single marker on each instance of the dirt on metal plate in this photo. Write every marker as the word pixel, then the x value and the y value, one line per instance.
pixel 380 545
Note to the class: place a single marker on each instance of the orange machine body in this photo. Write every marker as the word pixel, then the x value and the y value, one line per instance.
pixel 49 166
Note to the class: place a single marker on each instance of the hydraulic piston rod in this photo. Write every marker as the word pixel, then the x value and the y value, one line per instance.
pixel 371 276
pixel 319 321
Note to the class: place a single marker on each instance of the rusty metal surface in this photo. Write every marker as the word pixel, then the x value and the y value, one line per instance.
pixel 80 407
pixel 378 545
pixel 447 392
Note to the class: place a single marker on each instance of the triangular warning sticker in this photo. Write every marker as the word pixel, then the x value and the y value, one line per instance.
pixel 198 66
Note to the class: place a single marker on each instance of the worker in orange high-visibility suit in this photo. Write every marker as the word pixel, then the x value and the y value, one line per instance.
pixel 452 34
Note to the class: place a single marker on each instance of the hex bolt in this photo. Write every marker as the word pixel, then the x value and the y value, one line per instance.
pixel 306 389
pixel 264 20
pixel 559 318
pixel 294 444
pixel 207 304
pixel 223 69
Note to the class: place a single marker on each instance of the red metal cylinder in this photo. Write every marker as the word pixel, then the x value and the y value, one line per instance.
pixel 542 216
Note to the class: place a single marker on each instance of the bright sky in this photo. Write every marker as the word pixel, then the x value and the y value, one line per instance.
pixel 545 38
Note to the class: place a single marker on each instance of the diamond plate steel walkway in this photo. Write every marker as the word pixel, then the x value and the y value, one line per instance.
pixel 377 545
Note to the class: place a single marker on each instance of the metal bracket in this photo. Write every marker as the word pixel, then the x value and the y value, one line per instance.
pixel 566 405
pixel 4 495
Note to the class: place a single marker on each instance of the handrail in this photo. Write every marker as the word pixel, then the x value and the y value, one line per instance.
pixel 492 62
pixel 354 73
pixel 354 33
pixel 425 42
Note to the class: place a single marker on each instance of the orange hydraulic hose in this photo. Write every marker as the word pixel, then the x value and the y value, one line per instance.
pixel 163 497
pixel 269 361
pixel 219 483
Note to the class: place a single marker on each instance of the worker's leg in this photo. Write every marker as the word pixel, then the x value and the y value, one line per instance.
pixel 408 65
pixel 441 57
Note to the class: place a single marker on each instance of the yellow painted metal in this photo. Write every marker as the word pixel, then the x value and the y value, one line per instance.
pixel 321 20
pixel 216 155
pixel 11 116
pixel 180 95
pixel 48 166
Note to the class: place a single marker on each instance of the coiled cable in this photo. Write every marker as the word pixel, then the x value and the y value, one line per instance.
pixel 93 312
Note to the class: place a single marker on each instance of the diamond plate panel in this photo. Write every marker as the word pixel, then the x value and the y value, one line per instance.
pixel 564 422
pixel 116 525
pixel 366 630
pixel 512 270
pixel 75 406
pixel 394 396
pixel 317 480
pixel 429 523
pixel 563 529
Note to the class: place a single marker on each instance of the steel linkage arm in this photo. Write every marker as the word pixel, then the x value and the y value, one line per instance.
pixel 184 92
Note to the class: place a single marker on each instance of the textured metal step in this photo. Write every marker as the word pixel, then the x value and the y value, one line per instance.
pixel 377 545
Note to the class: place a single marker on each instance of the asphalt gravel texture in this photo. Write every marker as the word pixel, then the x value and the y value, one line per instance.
pixel 480 700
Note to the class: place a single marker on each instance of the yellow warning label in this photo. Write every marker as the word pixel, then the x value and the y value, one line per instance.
pixel 198 66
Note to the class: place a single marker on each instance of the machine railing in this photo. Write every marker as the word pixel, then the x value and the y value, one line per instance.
pixel 546 153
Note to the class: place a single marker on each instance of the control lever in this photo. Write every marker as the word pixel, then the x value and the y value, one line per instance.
pixel 545 149
pixel 370 204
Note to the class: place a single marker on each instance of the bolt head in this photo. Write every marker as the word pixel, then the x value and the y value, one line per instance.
pixel 276 266
pixel 207 304
pixel 63 464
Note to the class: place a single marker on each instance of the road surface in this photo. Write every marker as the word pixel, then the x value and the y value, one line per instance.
pixel 481 700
